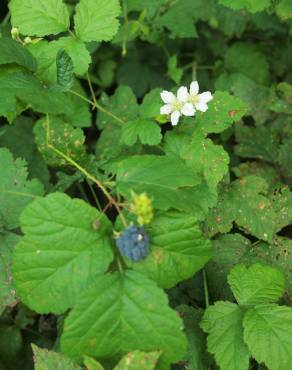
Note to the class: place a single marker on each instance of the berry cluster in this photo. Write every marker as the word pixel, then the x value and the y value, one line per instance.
pixel 133 243
pixel 141 206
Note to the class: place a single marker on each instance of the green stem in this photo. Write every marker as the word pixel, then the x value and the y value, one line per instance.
pixel 85 173
pixel 82 192
pixel 120 266
pixel 94 196
pixel 205 288
pixel 98 106
pixel 6 19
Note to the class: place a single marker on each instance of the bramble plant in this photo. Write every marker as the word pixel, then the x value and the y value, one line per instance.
pixel 145 173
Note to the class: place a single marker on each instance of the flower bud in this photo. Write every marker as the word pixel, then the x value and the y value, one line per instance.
pixel 14 33
pixel 27 40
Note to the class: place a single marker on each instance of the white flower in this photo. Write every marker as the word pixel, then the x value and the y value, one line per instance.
pixel 199 101
pixel 176 105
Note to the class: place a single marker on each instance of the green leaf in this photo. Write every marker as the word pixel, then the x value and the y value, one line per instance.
pixel 65 70
pixel 122 104
pixel 275 254
pixel 49 360
pixel 61 253
pixel 39 18
pixel 255 96
pixel 92 364
pixel 127 312
pixel 259 142
pixel 160 176
pixel 250 5
pixel 16 192
pixel 138 360
pixel 223 323
pixel 13 52
pixel 284 9
pixel 63 137
pixel 96 20
pixel 174 72
pixel 80 113
pixel 18 138
pixel 247 58
pixel 222 112
pixel 258 214
pixel 203 156
pixel 196 356
pixel 268 334
pixel 31 93
pixel 228 250
pixel 146 130
pixel 150 5
pixel 151 104
pixel 46 53
pixel 256 284
pixel 7 291
pixel 285 157
pixel 177 249
pixel 179 20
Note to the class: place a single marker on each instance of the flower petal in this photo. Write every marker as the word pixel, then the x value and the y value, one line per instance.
pixel 166 109
pixel 205 97
pixel 188 109
pixel 201 106
pixel 174 117
pixel 167 97
pixel 194 88
pixel 183 94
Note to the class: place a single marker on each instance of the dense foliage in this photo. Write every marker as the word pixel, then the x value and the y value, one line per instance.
pixel 145 173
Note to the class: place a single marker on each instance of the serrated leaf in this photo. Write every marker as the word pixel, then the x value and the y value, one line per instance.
pixel 222 112
pixel 259 142
pixel 127 312
pixel 268 333
pixel 203 156
pixel 256 284
pixel 96 20
pixel 122 104
pixel 248 59
pixel 80 113
pixel 223 323
pixel 61 252
pixel 7 291
pixel 49 360
pixel 18 138
pixel 146 130
pixel 65 70
pixel 31 93
pixel 255 96
pixel 276 254
pixel 92 364
pixel 197 355
pixel 177 249
pixel 250 5
pixel 151 104
pixel 45 52
pixel 258 214
pixel 160 176
pixel 13 52
pixel 16 192
pixel 39 18
pixel 284 9
pixel 63 137
pixel 228 250
pixel 139 360
pixel 179 20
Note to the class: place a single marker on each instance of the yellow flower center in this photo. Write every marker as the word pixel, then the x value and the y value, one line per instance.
pixel 194 99
pixel 177 105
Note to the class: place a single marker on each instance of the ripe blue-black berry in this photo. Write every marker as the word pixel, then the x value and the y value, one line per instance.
pixel 133 243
